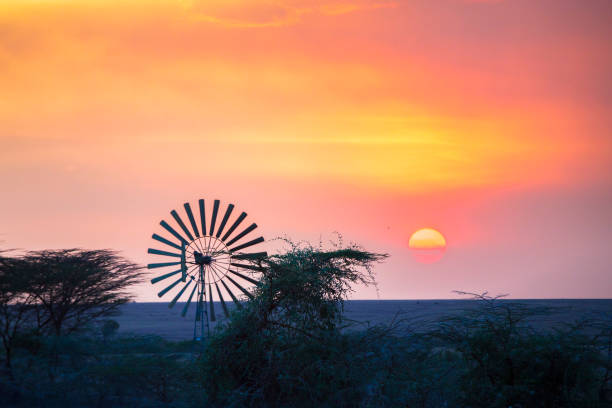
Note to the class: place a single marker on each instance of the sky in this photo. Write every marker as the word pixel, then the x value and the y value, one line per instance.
pixel 490 121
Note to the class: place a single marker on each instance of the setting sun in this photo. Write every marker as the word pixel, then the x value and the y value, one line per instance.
pixel 427 245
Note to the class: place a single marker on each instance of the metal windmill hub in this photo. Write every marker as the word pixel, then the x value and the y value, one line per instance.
pixel 202 259
pixel 211 253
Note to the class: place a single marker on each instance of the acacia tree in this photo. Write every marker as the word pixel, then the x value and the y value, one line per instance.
pixel 286 344
pixel 72 287
pixel 16 305
pixel 303 290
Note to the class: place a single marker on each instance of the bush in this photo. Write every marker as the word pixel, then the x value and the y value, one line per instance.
pixel 506 362
pixel 76 370
pixel 109 328
pixel 285 347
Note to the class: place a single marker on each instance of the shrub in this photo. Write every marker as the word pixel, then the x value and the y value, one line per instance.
pixel 285 347
pixel 506 362
pixel 109 328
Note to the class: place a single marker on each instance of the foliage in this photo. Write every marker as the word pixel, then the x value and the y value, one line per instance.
pixel 77 370
pixel 285 345
pixel 15 305
pixel 506 362
pixel 109 328
pixel 72 287
pixel 303 290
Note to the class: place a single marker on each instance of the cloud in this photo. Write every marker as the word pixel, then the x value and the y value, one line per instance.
pixel 253 14
pixel 482 1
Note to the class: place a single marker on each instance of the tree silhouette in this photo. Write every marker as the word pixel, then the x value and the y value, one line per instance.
pixel 72 287
pixel 16 304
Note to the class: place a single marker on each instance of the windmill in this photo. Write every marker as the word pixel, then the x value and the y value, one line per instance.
pixel 207 262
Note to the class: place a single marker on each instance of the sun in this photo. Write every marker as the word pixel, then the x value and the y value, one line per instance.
pixel 427 245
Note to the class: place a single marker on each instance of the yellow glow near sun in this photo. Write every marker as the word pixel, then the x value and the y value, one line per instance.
pixel 427 238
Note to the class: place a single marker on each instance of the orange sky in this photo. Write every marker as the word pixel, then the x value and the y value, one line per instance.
pixel 488 120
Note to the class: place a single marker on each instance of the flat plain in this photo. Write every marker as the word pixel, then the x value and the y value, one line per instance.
pixel 158 319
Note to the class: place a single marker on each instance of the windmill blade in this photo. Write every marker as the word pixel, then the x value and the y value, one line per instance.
pixel 180 222
pixel 242 234
pixel 191 219
pixel 183 264
pixel 162 277
pixel 247 244
pixel 234 226
pixel 213 219
pixel 253 255
pixel 253 281
pixel 165 241
pixel 184 312
pixel 236 301
pixel 164 253
pixel 173 232
pixel 223 305
pixel 202 216
pixel 178 295
pixel 225 218
pixel 161 265
pixel 246 292
pixel 246 266
pixel 164 291
pixel 213 318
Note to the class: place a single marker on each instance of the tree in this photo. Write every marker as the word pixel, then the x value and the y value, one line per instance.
pixel 15 305
pixel 72 287
pixel 303 290
pixel 286 347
